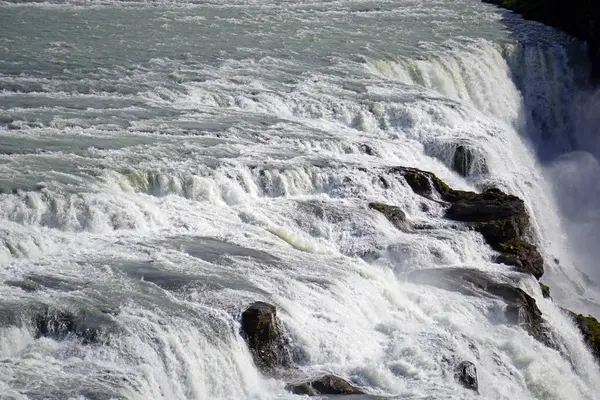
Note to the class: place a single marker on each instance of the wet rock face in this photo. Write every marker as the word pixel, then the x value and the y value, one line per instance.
pixel 394 214
pixel 328 384
pixel 501 218
pixel 465 373
pixel 262 331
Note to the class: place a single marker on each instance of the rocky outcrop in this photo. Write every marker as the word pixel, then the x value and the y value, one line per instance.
pixel 465 373
pixel 501 218
pixel 590 329
pixel 578 18
pixel 328 384
pixel 261 330
pixel 394 214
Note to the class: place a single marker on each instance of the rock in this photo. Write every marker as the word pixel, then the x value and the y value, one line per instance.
pixel 467 161
pixel 62 325
pixel 328 384
pixel 394 214
pixel 521 309
pixel 368 150
pixel 424 183
pixel 527 254
pixel 545 290
pixel 466 374
pixel 262 331
pixel 463 160
pixel 501 218
pixel 508 259
pixel 590 329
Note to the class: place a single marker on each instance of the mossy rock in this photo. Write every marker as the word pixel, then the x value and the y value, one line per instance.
pixel 590 329
pixel 394 214
pixel 545 290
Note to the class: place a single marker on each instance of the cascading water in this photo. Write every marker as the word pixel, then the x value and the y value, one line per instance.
pixel 165 165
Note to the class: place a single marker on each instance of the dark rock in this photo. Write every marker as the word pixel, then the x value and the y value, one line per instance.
pixel 328 384
pixel 466 374
pixel 463 160
pixel 545 290
pixel 466 161
pixel 590 329
pixel 501 218
pixel 394 214
pixel 424 183
pixel 262 331
pixel 521 309
pixel 527 254
pixel 508 259
pixel 368 150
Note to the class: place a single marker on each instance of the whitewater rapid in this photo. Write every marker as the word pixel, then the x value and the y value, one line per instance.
pixel 163 165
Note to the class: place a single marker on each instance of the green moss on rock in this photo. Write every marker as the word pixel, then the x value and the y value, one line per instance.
pixel 590 329
pixel 545 290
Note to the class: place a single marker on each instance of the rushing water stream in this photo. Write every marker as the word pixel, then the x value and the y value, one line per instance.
pixel 165 164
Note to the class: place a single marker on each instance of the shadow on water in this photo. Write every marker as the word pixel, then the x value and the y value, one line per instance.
pixel 560 119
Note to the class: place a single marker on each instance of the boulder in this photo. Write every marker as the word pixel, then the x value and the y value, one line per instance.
pixel 462 160
pixel 465 373
pixel 261 330
pixel 328 384
pixel 394 214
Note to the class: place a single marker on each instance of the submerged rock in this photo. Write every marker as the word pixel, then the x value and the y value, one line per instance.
pixel 466 374
pixel 501 218
pixel 62 325
pixel 394 214
pixel 328 384
pixel 262 331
